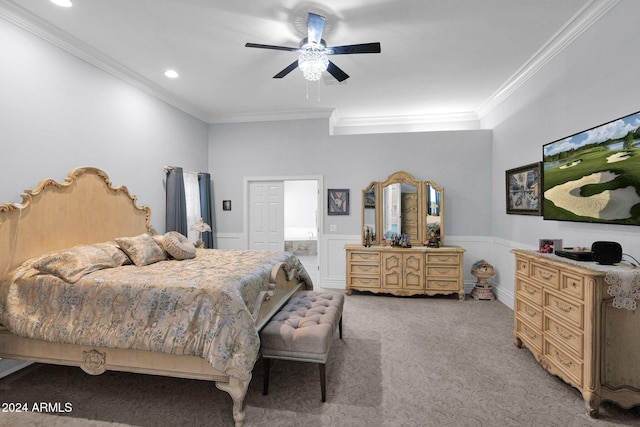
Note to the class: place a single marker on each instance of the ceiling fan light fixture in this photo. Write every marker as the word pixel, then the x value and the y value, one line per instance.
pixel 313 61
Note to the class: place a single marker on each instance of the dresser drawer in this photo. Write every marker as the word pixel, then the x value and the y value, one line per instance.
pixel 436 258
pixel 364 282
pixel 547 276
pixel 529 291
pixel 530 336
pixel 529 312
pixel 441 271
pixel 572 285
pixel 442 285
pixel 522 267
pixel 569 366
pixel 364 256
pixel 373 269
pixel 570 311
pixel 565 335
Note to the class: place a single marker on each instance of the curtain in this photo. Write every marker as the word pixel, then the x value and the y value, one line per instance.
pixel 176 207
pixel 205 207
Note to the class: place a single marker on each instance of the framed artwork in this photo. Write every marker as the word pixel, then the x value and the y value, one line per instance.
pixel 338 202
pixel 226 205
pixel 523 190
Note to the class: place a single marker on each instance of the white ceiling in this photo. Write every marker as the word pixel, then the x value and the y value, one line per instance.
pixel 440 58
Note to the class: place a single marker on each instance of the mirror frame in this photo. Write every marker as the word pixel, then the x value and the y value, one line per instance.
pixel 377 225
pixel 404 177
pixel 423 185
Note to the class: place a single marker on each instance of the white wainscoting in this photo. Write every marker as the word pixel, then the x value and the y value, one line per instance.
pixel 231 241
pixel 333 262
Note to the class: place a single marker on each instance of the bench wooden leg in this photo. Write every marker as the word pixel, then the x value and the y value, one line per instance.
pixel 323 381
pixel 266 364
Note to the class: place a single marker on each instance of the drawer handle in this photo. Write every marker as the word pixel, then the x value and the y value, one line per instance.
pixel 560 357
pixel 444 258
pixel 564 333
pixel 546 275
pixel 530 312
pixel 531 335
pixel 530 290
pixel 442 270
pixel 367 267
pixel 563 306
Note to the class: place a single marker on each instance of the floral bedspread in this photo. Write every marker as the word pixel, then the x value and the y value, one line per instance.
pixel 200 307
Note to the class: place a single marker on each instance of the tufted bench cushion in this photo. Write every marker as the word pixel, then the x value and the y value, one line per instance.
pixel 303 331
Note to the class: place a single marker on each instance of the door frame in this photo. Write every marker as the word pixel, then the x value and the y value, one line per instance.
pixel 246 205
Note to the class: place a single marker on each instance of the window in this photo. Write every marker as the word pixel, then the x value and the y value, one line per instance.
pixel 192 197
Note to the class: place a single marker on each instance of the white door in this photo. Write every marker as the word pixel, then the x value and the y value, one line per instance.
pixel 266 215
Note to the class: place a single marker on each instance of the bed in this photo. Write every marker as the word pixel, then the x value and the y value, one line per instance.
pixel 197 317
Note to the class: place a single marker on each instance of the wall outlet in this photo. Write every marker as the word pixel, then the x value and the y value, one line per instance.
pixel 333 227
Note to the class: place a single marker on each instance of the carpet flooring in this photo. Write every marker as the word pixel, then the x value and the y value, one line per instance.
pixel 402 362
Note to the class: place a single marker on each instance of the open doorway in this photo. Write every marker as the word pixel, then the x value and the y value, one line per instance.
pixel 301 223
pixel 291 214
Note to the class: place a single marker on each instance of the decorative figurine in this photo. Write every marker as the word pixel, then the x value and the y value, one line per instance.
pixel 482 270
pixel 433 240
pixel 367 236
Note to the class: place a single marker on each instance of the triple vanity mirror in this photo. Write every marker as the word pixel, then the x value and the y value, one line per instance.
pixel 402 207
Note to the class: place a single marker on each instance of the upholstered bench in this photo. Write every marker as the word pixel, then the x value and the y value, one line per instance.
pixel 303 331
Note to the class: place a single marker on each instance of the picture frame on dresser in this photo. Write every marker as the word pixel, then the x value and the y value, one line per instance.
pixel 523 190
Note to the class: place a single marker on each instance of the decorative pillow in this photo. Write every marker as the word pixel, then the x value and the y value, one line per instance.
pixel 159 238
pixel 178 246
pixel 142 249
pixel 72 264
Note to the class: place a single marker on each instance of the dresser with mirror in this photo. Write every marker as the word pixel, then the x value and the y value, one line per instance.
pixel 403 249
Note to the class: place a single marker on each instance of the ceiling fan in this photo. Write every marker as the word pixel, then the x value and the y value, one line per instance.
pixel 313 50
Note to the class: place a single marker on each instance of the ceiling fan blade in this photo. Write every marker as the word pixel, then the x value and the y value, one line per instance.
pixel 354 48
pixel 268 46
pixel 336 72
pixel 315 26
pixel 287 70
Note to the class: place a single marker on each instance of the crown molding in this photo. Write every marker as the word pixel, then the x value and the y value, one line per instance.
pixel 588 15
pixel 271 116
pixel 22 18
pixel 399 124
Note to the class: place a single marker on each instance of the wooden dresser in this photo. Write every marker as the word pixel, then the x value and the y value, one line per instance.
pixel 405 271
pixel 565 317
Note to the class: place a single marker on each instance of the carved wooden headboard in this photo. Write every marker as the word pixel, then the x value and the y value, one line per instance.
pixel 83 209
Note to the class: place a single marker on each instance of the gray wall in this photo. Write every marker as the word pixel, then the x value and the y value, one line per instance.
pixel 592 81
pixel 457 160
pixel 59 112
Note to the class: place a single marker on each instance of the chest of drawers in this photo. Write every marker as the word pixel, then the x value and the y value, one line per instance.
pixel 565 317
pixel 405 271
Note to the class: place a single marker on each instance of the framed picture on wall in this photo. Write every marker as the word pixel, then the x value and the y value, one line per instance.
pixel 338 202
pixel 523 190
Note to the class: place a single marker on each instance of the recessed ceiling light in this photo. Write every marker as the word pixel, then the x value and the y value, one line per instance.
pixel 172 74
pixel 62 3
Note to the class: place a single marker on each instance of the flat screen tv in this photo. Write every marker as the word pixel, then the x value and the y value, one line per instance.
pixel 594 175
